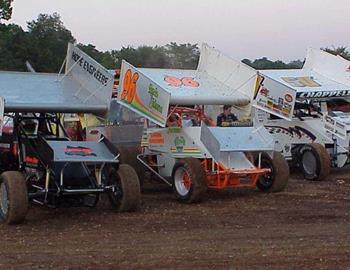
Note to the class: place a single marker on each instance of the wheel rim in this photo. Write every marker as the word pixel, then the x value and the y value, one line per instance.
pixel 267 179
pixel 117 192
pixel 309 163
pixel 4 202
pixel 112 179
pixel 182 181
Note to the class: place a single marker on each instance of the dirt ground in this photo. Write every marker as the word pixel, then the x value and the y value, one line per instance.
pixel 305 227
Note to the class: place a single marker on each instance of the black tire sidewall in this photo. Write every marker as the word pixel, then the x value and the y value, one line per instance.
pixel 305 149
pixel 266 158
pixel 114 179
pixel 3 216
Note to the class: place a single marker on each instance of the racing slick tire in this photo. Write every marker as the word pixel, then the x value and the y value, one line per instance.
pixel 126 194
pixel 13 198
pixel 315 162
pixel 277 179
pixel 189 180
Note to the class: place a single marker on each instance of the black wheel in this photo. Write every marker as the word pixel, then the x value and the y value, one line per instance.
pixel 13 197
pixel 189 180
pixel 126 195
pixel 315 162
pixel 277 179
pixel 128 155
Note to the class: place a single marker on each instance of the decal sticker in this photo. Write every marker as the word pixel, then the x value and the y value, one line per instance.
pixel 185 81
pixel 291 131
pixel 179 143
pixel 186 151
pixel 156 138
pixel 129 86
pixel 288 98
pixel 79 151
pixel 301 81
pixel 323 94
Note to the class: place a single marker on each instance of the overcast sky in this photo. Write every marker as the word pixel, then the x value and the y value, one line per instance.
pixel 278 29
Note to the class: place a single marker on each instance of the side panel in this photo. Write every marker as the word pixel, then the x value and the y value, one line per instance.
pixel 274 97
pixel 94 82
pixel 288 133
pixel 142 95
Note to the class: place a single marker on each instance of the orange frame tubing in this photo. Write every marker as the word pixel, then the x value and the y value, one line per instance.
pixel 218 177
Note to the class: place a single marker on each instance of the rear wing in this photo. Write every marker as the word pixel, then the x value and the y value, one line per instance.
pixel 263 92
pixel 323 76
pixel 218 80
pixel 86 87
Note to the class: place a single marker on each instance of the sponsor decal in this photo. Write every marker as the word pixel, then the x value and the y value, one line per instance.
pixel 301 81
pixel 186 151
pixel 156 138
pixel 153 92
pixel 324 94
pixel 288 98
pixel 276 102
pixel 179 143
pixel 129 86
pixel 291 131
pixel 90 68
pixel 184 81
pixel 130 96
pixel 172 130
pixel 79 151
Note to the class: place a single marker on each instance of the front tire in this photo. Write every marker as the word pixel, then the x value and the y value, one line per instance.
pixel 13 198
pixel 126 194
pixel 315 162
pixel 189 180
pixel 277 179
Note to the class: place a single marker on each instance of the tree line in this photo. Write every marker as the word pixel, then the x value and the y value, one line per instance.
pixel 44 45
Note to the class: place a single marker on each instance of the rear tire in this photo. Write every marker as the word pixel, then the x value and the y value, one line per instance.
pixel 277 179
pixel 189 180
pixel 315 162
pixel 126 196
pixel 128 155
pixel 13 198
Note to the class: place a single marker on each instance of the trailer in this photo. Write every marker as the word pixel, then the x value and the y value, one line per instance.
pixel 318 135
pixel 39 163
pixel 181 146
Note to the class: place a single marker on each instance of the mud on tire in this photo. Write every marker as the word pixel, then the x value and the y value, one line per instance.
pixel 189 180
pixel 315 162
pixel 13 197
pixel 126 196
pixel 278 178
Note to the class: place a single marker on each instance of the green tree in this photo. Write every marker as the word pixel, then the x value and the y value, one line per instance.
pixel 125 53
pixel 142 56
pixel 104 58
pixel 342 51
pixel 182 56
pixel 48 39
pixel 265 63
pixel 5 9
pixel 13 47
